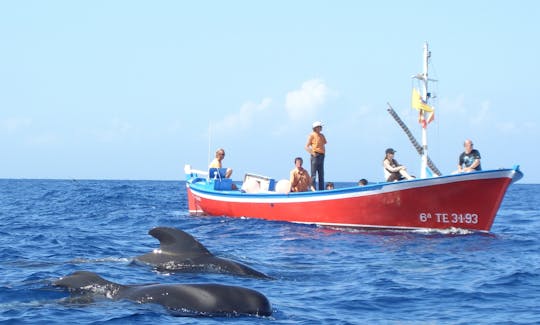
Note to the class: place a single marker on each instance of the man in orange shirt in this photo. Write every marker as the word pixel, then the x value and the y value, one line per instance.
pixel 300 180
pixel 316 147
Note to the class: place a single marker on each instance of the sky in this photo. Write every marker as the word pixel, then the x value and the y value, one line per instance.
pixel 135 90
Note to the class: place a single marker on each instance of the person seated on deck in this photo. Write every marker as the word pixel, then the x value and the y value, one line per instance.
pixel 469 160
pixel 393 171
pixel 362 182
pixel 216 163
pixel 329 186
pixel 300 179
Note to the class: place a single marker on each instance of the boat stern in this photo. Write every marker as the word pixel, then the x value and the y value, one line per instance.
pixel 192 176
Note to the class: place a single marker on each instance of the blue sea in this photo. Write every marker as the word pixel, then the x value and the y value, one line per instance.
pixel 50 228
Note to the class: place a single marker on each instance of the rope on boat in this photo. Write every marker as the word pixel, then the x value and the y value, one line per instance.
pixel 415 143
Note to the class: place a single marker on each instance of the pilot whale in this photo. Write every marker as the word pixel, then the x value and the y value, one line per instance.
pixel 179 251
pixel 183 299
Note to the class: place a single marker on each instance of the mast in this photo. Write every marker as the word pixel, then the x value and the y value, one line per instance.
pixel 423 77
pixel 427 54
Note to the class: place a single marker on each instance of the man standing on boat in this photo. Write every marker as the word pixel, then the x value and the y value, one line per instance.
pixel 315 146
pixel 469 160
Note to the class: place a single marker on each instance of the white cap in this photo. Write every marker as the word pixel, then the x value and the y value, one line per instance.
pixel 316 124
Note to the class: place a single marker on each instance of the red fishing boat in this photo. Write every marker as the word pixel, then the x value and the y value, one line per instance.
pixel 465 201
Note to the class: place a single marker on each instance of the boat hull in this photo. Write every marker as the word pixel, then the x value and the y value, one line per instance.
pixel 466 201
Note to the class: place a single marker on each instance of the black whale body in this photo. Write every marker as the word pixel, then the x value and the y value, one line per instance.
pixel 183 299
pixel 181 252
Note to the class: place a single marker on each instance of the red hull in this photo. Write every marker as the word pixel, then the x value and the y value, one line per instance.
pixel 467 201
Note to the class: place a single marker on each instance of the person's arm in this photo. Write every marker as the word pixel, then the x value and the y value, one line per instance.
pixel 475 164
pixel 293 181
pixel 460 164
pixel 308 147
pixel 390 168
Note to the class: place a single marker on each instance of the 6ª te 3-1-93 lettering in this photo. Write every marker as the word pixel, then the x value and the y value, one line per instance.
pixel 450 218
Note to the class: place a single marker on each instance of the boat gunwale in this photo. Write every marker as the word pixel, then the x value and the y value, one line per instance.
pixel 351 191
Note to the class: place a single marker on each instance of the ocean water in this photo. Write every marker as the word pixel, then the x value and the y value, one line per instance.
pixel 50 228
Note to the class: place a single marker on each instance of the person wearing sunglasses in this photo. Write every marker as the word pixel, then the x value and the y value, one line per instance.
pixel 216 163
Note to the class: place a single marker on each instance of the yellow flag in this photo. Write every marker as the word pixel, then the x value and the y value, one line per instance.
pixel 418 103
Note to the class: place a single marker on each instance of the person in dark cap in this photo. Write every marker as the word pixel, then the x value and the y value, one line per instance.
pixel 393 171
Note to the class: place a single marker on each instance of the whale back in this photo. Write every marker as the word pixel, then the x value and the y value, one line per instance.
pixel 88 282
pixel 184 299
pixel 181 252
pixel 205 299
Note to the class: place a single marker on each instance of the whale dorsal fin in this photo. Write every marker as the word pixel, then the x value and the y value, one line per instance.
pixel 177 242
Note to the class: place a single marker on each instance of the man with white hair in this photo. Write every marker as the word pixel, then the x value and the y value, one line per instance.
pixel 216 163
pixel 315 146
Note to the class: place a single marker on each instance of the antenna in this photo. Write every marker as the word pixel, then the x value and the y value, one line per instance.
pixel 209 141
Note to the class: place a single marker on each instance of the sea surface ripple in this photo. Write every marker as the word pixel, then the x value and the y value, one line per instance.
pixel 50 228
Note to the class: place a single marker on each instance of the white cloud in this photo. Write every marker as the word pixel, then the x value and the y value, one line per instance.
pixel 21 128
pixel 453 105
pixel 481 115
pixel 116 130
pixel 244 117
pixel 12 124
pixel 43 139
pixel 507 127
pixel 474 114
pixel 305 101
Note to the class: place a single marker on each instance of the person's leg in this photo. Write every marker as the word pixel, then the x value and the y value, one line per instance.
pixel 405 174
pixel 320 171
pixel 394 177
pixel 313 170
